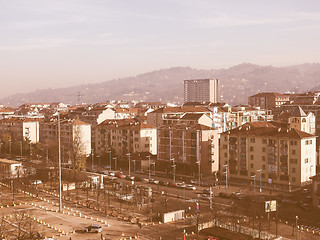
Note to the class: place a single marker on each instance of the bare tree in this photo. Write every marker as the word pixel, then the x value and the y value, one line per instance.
pixel 78 154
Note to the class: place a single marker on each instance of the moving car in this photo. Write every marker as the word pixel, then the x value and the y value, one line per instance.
pixel 93 228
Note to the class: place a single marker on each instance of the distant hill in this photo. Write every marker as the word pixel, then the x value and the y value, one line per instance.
pixel 237 84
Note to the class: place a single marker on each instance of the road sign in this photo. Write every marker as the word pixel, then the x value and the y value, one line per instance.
pixel 271 206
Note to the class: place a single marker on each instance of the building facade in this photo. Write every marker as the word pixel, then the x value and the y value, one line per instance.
pixel 125 136
pixel 282 157
pixel 188 146
pixel 201 90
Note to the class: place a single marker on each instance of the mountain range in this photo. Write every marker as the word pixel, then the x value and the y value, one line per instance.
pixel 237 83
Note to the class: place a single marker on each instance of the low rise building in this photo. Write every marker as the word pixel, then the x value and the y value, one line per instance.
pixel 10 169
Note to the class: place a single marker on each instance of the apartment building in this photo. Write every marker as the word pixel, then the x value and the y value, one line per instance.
pixel 283 157
pixel 188 147
pixel 268 100
pixel 71 130
pixel 20 129
pixel 169 115
pixel 201 90
pixel 124 136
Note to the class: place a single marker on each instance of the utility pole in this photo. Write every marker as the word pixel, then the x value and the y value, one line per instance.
pixel 60 190
pixel 174 170
pixel 10 147
pixel 20 150
pixel 128 154
pixel 115 163
pixel 149 173
pixel 30 151
pixel 254 182
pixel 134 166
pixel 199 176
pixel 109 158
pixel 260 170
pixel 92 165
pixel 226 172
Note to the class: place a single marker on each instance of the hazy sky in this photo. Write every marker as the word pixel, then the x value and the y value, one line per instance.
pixel 61 43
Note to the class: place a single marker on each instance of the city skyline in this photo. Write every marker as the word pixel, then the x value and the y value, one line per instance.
pixel 60 44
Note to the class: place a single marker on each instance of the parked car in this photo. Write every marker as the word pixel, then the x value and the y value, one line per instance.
pixel 36 182
pixel 203 196
pixel 163 183
pixel 93 228
pixel 181 185
pixel 190 187
pixel 172 184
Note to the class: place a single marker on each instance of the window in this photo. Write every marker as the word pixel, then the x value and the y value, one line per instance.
pixel 253 140
pixel 293 161
pixel 251 157
pixel 146 145
pixel 224 146
pixel 306 160
pixel 264 140
pixel 263 158
pixel 293 179
pixel 251 165
pixel 264 167
pixel 293 152
pixel 225 154
pixel 251 149
pixel 263 149
pixel 293 170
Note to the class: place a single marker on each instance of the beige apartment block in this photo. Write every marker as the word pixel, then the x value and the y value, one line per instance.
pixel 17 128
pixel 70 130
pixel 283 157
pixel 186 147
pixel 125 136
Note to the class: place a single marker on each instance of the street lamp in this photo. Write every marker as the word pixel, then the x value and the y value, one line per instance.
pixel 134 166
pixel 10 147
pixel 30 151
pixel 226 172
pixel 0 147
pixel 154 167
pixel 115 163
pixel 198 162
pixel 297 218
pixel 92 159
pixel 254 181
pixel 260 170
pixel 148 157
pixel 128 154
pixel 174 170
pixel 110 158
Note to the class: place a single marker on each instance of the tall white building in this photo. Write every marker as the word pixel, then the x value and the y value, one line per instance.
pixel 201 90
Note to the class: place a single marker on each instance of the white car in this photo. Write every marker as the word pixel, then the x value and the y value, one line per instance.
pixel 36 182
pixel 190 187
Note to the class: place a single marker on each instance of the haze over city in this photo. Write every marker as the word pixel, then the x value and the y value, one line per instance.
pixel 64 43
pixel 159 120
